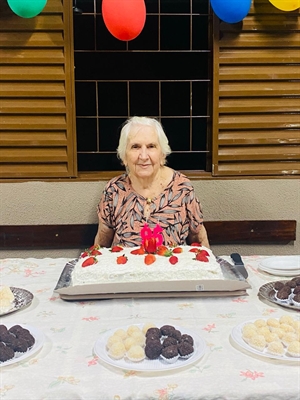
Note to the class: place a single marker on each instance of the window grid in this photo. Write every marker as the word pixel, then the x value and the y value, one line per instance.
pixel 171 84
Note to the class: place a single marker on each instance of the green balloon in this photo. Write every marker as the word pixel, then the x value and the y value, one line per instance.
pixel 27 8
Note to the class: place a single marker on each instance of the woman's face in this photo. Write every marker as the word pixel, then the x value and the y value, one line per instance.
pixel 143 155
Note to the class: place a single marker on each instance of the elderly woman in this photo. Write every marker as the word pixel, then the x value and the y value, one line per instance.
pixel 149 192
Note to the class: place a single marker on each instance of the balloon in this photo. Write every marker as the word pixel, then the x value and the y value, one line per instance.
pixel 125 19
pixel 231 11
pixel 27 8
pixel 286 5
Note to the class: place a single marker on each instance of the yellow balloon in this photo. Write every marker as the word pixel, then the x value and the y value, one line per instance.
pixel 286 5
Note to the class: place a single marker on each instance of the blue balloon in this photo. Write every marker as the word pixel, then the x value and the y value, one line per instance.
pixel 27 8
pixel 231 11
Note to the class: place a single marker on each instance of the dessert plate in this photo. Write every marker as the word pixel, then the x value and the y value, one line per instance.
pixel 39 342
pixel 22 299
pixel 146 364
pixel 278 272
pixel 282 265
pixel 236 335
pixel 267 291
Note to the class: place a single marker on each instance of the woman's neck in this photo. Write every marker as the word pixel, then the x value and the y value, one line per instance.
pixel 150 187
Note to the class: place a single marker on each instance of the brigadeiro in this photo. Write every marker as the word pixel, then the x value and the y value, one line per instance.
pixel 152 337
pixel 20 345
pixel 187 338
pixel 287 289
pixel 28 338
pixel 153 331
pixel 3 329
pixel 283 294
pixel 153 349
pixel 297 280
pixel 296 290
pixel 169 341
pixel 185 349
pixel 170 353
pixel 296 300
pixel 6 353
pixel 176 334
pixel 278 285
pixel 291 284
pixel 6 337
pixel 166 330
pixel 17 329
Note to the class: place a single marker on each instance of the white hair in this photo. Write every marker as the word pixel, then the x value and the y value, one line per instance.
pixel 142 121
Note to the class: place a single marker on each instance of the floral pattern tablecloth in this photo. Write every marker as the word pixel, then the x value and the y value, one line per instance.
pixel 67 369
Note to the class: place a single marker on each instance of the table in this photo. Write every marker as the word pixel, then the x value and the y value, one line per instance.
pixel 66 368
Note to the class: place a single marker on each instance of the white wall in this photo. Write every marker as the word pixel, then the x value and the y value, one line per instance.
pixel 30 203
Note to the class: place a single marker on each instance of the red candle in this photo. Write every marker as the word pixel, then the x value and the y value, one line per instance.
pixel 150 245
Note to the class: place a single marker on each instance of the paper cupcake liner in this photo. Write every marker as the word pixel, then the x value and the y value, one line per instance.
pixel 186 356
pixel 169 360
pixel 285 301
pixel 296 303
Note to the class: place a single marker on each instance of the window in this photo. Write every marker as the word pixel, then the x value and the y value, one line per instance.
pixel 250 71
pixel 164 73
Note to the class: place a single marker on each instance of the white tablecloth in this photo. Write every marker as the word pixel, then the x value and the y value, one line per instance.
pixel 66 368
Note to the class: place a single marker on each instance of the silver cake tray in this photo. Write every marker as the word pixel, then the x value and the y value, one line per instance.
pixel 233 284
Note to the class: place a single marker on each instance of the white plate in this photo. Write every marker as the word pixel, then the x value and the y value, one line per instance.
pixel 278 272
pixel 286 263
pixel 149 365
pixel 236 335
pixel 268 292
pixel 22 299
pixel 39 342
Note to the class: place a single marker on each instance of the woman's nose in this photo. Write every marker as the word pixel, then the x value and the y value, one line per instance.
pixel 143 152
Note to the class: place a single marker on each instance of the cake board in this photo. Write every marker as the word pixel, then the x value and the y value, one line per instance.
pixel 233 284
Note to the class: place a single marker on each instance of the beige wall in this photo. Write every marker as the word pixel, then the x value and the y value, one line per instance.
pixel 75 202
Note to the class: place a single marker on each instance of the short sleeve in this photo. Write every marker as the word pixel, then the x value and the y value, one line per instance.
pixel 105 207
pixel 194 212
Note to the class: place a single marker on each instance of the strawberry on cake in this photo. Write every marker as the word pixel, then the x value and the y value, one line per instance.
pixel 138 264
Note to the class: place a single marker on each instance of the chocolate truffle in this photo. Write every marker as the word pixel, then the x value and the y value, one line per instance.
pixel 187 338
pixel 169 341
pixel 283 294
pixel 297 280
pixel 166 330
pixel 6 337
pixel 291 284
pixel 28 338
pixel 152 337
pixel 6 353
pixel 16 329
pixel 296 290
pixel 170 351
pixel 153 331
pixel 176 334
pixel 286 288
pixel 20 345
pixel 3 329
pixel 278 285
pixel 153 349
pixel 185 349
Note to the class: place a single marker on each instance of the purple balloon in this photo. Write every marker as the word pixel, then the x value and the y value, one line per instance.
pixel 231 11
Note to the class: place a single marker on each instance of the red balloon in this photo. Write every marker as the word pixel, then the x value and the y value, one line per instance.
pixel 125 19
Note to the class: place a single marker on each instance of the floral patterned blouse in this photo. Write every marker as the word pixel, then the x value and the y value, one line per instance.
pixel 176 210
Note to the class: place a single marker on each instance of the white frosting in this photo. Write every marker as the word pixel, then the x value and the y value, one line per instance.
pixel 106 270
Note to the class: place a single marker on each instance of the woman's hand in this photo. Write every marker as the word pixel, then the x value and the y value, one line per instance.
pixel 200 237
